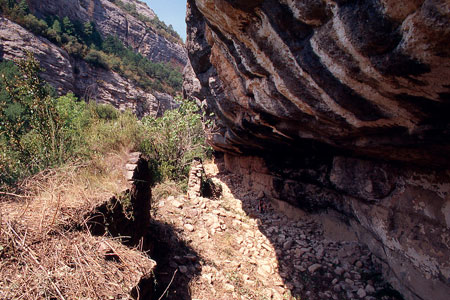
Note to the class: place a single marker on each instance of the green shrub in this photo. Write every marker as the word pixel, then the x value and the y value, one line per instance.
pixel 74 48
pixel 75 119
pixel 40 130
pixel 173 141
pixel 35 25
pixel 28 120
pixel 97 58
pixel 106 112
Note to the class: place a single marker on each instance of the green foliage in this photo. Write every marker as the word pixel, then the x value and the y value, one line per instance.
pixel 57 27
pixel 39 130
pixel 105 136
pixel 23 8
pixel 29 124
pixel 97 58
pixel 68 26
pixel 147 74
pixel 35 25
pixel 84 41
pixel 173 141
pixel 106 112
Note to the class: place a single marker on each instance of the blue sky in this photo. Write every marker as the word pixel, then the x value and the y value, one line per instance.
pixel 171 12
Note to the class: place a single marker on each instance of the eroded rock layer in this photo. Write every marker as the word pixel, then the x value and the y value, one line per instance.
pixel 370 76
pixel 338 105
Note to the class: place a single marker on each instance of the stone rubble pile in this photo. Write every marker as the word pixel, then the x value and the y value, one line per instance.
pixel 246 254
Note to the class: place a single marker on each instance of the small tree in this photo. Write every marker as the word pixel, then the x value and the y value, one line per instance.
pixel 69 28
pixel 57 26
pixel 88 29
pixel 29 119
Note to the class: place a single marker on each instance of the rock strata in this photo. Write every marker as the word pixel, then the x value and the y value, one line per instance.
pixel 67 74
pixel 337 106
pixel 112 20
pixel 372 77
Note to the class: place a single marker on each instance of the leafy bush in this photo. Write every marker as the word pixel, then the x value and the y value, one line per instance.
pixel 97 58
pixel 29 121
pixel 39 130
pixel 173 141
pixel 35 25
pixel 106 112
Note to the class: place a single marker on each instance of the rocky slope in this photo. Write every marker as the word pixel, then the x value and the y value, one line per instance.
pixel 69 74
pixel 112 20
pixel 338 106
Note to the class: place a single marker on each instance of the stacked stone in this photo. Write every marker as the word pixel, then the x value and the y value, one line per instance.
pixel 131 165
pixel 195 179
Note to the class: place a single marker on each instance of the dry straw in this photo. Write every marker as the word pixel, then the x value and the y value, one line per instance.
pixel 46 251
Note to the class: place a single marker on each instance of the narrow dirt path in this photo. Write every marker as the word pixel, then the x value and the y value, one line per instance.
pixel 244 253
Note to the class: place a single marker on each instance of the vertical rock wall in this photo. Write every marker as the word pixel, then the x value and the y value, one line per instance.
pixel 338 105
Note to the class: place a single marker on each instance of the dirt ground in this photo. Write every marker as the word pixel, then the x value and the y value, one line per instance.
pixel 236 248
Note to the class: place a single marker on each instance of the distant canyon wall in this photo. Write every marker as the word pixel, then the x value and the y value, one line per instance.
pixel 112 20
pixel 67 74
pixel 337 105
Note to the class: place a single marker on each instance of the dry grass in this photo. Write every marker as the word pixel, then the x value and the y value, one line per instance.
pixel 69 265
pixel 57 198
pixel 44 255
pixel 163 190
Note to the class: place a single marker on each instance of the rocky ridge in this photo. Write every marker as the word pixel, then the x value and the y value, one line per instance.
pixel 337 106
pixel 112 20
pixel 69 74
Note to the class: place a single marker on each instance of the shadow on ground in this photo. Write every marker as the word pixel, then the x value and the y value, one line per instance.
pixel 311 266
pixel 161 242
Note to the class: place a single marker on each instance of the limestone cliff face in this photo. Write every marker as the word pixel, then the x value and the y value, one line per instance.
pixel 338 105
pixel 67 74
pixel 111 20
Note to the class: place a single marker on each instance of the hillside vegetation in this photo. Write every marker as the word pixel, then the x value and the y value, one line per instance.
pixel 40 130
pixel 82 40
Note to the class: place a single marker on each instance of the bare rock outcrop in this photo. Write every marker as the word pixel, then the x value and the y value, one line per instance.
pixel 112 20
pixel 372 77
pixel 338 105
pixel 67 74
